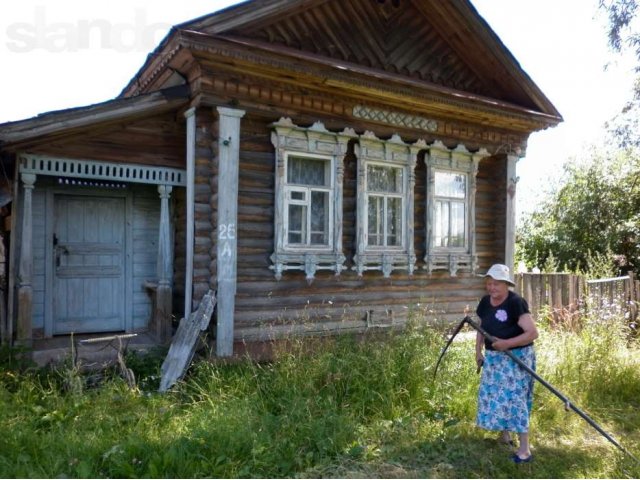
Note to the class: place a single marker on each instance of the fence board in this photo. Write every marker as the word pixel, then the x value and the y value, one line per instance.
pixel 563 295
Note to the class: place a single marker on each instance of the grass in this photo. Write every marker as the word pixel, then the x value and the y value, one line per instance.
pixel 341 407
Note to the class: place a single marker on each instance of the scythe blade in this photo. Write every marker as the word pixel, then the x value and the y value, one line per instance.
pixel 444 350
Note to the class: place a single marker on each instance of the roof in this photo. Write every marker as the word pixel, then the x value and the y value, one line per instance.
pixel 444 46
pixel 73 120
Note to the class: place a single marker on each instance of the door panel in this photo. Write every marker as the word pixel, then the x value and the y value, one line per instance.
pixel 89 273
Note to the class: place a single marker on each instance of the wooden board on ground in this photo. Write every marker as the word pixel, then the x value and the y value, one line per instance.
pixel 184 341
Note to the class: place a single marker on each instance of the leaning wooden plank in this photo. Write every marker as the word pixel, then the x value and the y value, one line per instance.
pixel 183 345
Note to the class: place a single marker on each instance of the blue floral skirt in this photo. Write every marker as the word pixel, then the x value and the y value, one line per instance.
pixel 506 391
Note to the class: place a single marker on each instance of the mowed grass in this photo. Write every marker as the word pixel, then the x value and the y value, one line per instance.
pixel 344 407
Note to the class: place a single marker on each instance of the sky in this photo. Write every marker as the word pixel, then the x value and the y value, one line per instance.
pixel 71 53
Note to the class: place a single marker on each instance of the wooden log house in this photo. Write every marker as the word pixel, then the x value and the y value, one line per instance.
pixel 323 166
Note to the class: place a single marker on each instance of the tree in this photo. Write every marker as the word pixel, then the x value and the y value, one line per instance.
pixel 595 213
pixel 624 35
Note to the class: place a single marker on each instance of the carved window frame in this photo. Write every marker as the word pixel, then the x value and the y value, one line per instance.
pixel 316 141
pixel 439 158
pixel 306 191
pixel 394 153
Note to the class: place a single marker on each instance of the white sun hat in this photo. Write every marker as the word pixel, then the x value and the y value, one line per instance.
pixel 500 272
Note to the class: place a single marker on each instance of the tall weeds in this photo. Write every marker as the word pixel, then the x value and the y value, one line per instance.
pixel 346 406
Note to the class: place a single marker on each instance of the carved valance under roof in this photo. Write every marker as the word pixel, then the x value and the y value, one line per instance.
pixel 90 169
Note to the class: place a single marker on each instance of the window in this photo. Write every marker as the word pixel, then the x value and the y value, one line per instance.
pixel 308 193
pixel 385 191
pixel 451 186
pixel 308 198
pixel 386 183
pixel 450 227
pixel 308 213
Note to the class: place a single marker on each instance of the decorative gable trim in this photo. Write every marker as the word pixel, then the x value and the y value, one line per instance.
pixel 395 118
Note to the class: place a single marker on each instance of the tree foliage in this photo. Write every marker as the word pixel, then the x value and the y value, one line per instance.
pixel 621 14
pixel 624 35
pixel 591 222
pixel 594 214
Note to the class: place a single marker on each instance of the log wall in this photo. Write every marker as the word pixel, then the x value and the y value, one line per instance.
pixel 266 307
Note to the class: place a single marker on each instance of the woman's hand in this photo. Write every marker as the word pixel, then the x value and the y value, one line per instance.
pixel 479 348
pixel 479 361
pixel 530 333
pixel 501 344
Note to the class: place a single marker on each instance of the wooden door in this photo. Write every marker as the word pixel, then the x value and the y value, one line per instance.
pixel 89 264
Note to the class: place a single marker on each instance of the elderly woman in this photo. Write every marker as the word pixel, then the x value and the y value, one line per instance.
pixel 506 390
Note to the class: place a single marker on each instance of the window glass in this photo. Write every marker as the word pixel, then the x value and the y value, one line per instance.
pixel 298 195
pixel 451 184
pixel 457 231
pixel 307 171
pixel 441 224
pixel 297 223
pixel 319 217
pixel 450 209
pixel 375 221
pixel 394 222
pixel 384 179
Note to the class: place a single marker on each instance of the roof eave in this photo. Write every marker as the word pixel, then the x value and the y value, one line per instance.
pixel 77 119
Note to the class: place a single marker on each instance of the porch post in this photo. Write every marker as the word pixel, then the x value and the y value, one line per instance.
pixel 228 172
pixel 510 231
pixel 165 265
pixel 190 115
pixel 25 265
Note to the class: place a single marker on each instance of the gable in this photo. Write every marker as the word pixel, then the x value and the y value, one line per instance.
pixel 372 34
pixel 446 44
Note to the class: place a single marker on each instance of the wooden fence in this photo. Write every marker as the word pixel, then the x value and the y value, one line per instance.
pixel 563 296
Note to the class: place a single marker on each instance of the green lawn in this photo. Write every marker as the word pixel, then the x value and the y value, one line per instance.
pixel 333 408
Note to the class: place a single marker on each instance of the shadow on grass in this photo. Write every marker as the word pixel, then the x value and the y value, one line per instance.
pixel 481 458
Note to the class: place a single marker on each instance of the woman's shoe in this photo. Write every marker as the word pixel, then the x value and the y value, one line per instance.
pixel 517 459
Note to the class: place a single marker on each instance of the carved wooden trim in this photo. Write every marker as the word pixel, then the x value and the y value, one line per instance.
pixel 510 232
pixel 315 141
pixel 25 265
pixel 395 118
pixel 459 159
pixel 90 169
pixel 138 85
pixel 261 91
pixel 392 152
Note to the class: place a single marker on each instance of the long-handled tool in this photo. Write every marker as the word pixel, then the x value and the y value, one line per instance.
pixel 530 371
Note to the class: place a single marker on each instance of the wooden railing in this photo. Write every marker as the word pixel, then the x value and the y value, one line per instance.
pixel 563 296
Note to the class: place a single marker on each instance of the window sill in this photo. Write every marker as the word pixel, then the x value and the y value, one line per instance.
pixel 308 262
pixel 386 261
pixel 452 261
